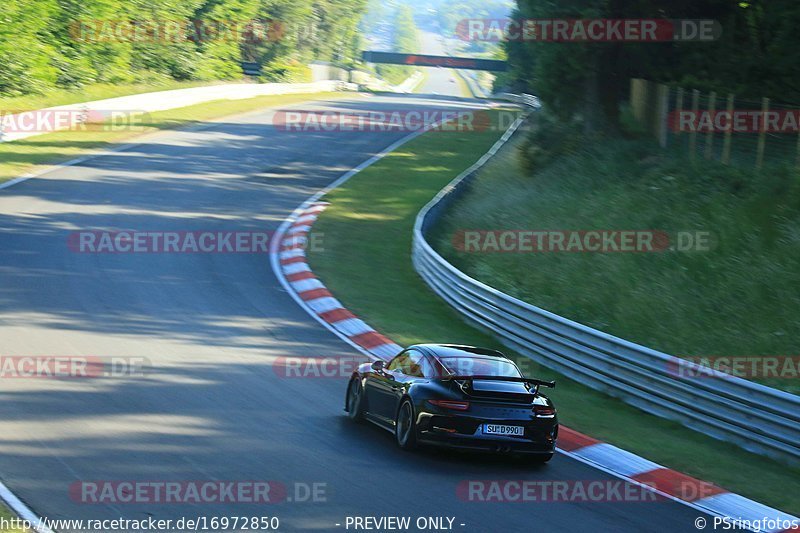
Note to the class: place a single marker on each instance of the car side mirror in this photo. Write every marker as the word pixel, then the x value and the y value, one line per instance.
pixel 377 366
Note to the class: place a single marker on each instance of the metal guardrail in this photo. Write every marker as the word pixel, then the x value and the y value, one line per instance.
pixel 757 418
pixel 528 100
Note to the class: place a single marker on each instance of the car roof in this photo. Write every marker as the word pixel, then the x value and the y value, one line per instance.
pixel 458 350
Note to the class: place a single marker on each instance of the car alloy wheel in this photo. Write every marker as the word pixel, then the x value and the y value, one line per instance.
pixel 404 428
pixel 354 399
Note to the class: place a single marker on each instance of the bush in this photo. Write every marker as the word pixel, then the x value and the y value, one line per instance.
pixel 73 72
pixel 549 138
pixel 290 72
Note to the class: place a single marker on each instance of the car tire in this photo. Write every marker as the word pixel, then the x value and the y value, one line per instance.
pixel 355 400
pixel 405 429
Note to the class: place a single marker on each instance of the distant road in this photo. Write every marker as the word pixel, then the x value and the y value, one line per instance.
pixel 439 80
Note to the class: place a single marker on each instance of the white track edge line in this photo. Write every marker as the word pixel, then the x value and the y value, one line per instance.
pixel 22 510
pixel 280 232
pixel 629 479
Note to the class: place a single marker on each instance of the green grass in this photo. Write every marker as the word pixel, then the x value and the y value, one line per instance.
pixel 99 91
pixel 7 515
pixel 27 155
pixel 395 74
pixel 423 80
pixel 463 87
pixel 740 298
pixel 366 264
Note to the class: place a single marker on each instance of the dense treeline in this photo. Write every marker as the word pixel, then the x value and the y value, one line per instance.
pixel 757 54
pixel 70 43
pixel 452 16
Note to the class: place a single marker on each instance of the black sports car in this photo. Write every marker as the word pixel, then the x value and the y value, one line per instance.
pixel 456 396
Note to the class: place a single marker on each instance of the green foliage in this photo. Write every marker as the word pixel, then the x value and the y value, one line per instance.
pixel 549 139
pixel 24 64
pixel 405 39
pixel 756 55
pixel 50 44
pixel 452 13
pixel 291 71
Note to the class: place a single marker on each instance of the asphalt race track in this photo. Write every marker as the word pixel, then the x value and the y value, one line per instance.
pixel 212 405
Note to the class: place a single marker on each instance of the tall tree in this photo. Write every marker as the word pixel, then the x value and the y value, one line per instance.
pixel 757 54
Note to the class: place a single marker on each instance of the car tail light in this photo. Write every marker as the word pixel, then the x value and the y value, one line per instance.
pixel 544 410
pixel 450 404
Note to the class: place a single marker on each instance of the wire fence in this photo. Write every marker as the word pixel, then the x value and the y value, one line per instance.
pixel 721 127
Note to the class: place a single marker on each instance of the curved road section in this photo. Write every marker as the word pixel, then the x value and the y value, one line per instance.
pixel 186 405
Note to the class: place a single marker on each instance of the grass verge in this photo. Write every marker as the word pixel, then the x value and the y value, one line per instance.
pixel 422 81
pixel 463 85
pixel 99 91
pixel 29 155
pixel 7 517
pixel 735 298
pixel 367 265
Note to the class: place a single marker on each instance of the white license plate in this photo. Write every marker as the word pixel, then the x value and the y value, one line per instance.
pixel 497 429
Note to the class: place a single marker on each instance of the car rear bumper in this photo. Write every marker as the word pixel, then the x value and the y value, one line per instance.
pixel 487 445
pixel 465 433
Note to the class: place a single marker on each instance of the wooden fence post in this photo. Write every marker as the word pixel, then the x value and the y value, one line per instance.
pixel 693 134
pixel 797 163
pixel 726 147
pixel 712 100
pixel 663 109
pixel 762 135
pixel 676 114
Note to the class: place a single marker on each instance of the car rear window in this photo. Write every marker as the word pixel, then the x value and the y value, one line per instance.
pixel 480 366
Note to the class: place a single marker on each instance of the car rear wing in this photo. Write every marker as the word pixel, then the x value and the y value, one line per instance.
pixel 532 381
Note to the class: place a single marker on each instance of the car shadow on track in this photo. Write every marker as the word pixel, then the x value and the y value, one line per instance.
pixel 437 458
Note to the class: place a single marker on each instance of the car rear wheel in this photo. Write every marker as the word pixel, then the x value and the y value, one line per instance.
pixel 405 429
pixel 355 398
